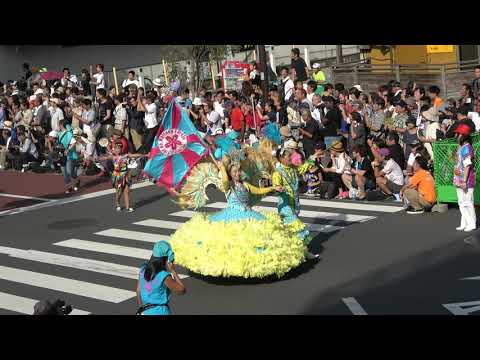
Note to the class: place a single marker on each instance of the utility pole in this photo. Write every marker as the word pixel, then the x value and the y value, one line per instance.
pixel 339 54
pixel 262 59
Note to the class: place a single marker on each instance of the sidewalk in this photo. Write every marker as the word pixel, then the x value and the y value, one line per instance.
pixel 30 188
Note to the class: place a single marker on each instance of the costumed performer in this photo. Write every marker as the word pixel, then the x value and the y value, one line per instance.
pixel 121 177
pixel 236 241
pixel 287 177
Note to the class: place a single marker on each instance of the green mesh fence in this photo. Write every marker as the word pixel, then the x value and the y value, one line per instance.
pixel 444 158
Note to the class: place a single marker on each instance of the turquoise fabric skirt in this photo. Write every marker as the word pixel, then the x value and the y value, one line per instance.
pixel 289 216
pixel 236 213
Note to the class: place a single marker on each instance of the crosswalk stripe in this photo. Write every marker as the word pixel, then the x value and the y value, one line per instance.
pixel 110 249
pixel 102 267
pixel 106 248
pixel 341 205
pixel 175 225
pixel 133 235
pixel 163 224
pixel 303 213
pixel 71 286
pixel 24 305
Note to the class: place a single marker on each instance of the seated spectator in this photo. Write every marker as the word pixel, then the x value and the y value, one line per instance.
pixel 390 178
pixel 419 192
pixel 340 164
pixel 396 151
pixel 27 151
pixel 361 175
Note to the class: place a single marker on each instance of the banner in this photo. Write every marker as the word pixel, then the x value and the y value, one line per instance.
pixel 177 148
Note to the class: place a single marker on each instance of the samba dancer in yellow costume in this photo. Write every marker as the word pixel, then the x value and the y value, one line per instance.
pixel 237 241
pixel 287 177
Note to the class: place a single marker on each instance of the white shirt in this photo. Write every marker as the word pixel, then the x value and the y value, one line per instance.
pixel 57 115
pixel 100 80
pixel 218 109
pixel 214 121
pixel 340 163
pixel 317 115
pixel 150 119
pixel 128 82
pixel 393 172
pixel 288 87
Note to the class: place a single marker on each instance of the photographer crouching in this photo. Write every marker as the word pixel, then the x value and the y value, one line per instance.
pixel 52 307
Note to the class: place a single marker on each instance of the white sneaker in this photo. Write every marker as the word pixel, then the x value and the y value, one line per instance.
pixel 460 228
pixel 468 229
pixel 118 208
pixel 43 163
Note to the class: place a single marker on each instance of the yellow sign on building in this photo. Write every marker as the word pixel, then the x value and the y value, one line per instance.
pixel 433 49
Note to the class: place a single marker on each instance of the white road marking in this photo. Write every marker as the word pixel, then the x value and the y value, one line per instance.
pixel 68 200
pixel 25 197
pixel 112 250
pixel 129 272
pixel 71 286
pixel 102 267
pixel 341 205
pixel 106 248
pixel 461 308
pixel 133 235
pixel 306 213
pixel 354 306
pixel 472 278
pixel 162 224
pixel 25 305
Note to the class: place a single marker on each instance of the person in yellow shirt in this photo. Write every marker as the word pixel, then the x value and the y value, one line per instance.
pixel 319 77
pixel 420 189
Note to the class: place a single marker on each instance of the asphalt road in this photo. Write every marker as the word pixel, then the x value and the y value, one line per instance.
pixel 391 263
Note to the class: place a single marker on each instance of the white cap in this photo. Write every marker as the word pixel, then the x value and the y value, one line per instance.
pixel 53 134
pixel 316 66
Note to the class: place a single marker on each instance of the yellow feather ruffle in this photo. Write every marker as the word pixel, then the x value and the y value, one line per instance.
pixel 247 248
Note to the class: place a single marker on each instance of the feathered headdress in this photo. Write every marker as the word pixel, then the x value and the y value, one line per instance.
pixel 272 132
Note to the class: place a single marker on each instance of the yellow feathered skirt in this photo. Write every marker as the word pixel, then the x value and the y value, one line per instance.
pixel 245 248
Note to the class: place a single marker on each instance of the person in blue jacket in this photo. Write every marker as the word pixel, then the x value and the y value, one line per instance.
pixel 157 280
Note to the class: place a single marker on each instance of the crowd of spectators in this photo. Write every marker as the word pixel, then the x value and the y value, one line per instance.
pixel 375 145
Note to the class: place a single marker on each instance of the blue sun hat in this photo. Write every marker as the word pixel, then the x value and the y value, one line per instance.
pixel 162 249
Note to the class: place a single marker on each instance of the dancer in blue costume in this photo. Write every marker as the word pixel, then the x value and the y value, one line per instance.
pixel 287 176
pixel 238 241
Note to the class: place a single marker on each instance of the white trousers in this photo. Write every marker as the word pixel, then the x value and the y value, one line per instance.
pixel 467 208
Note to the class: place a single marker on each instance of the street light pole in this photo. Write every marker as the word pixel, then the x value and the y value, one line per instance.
pixel 262 58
